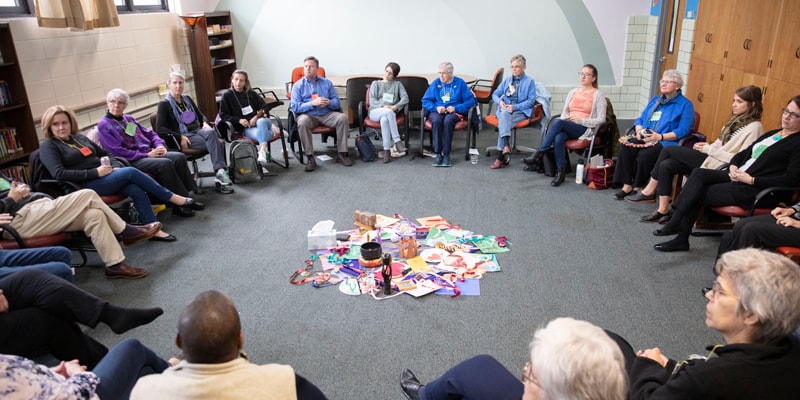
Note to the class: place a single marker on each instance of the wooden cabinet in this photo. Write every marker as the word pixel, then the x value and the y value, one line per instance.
pixel 18 137
pixel 739 43
pixel 213 58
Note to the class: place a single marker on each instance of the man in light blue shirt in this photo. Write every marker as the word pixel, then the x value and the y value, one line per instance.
pixel 316 103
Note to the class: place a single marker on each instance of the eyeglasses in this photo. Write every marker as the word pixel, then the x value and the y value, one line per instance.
pixel 584 75
pixel 716 289
pixel 118 103
pixel 663 81
pixel 527 375
pixel 445 73
pixel 794 115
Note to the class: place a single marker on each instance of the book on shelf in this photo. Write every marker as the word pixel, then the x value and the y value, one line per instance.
pixel 9 142
pixel 5 94
pixel 19 172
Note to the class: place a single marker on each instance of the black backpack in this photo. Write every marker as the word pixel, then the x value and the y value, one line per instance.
pixel 244 165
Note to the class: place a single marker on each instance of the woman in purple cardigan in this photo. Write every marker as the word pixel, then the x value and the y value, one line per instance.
pixel 121 135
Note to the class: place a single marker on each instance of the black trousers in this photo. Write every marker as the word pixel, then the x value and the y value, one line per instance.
pixel 635 163
pixel 674 160
pixel 42 315
pixel 171 171
pixel 761 232
pixel 706 187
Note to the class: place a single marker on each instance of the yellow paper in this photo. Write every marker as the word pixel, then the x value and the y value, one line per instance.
pixel 418 264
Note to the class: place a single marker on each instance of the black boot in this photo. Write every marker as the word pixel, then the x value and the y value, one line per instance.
pixel 559 178
pixel 534 158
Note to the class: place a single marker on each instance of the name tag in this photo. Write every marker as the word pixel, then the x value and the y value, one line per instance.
pixel 247 110
pixel 130 129
pixel 656 116
pixel 86 151
pixel 388 98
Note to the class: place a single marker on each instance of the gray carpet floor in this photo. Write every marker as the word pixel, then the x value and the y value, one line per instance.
pixel 575 252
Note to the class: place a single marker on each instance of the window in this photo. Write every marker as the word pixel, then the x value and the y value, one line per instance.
pixel 16 7
pixel 126 6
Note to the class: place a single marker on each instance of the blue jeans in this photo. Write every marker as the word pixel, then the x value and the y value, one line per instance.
pixel 505 122
pixel 54 260
pixel 560 131
pixel 443 127
pixel 262 131
pixel 136 185
pixel 124 364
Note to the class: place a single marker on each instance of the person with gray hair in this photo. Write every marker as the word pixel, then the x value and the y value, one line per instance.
pixel 123 136
pixel 210 336
pixel 569 360
pixel 447 101
pixel 753 304
pixel 666 120
pixel 515 99
pixel 179 117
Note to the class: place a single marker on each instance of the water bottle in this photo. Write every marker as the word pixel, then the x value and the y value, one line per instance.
pixel 105 161
pixel 579 173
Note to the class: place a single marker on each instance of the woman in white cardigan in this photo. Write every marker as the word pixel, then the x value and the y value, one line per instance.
pixel 584 111
pixel 740 131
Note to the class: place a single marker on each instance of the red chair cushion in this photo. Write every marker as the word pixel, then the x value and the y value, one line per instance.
pixel 36 241
pixel 580 144
pixel 460 125
pixel 401 120
pixel 492 120
pixel 792 253
pixel 736 211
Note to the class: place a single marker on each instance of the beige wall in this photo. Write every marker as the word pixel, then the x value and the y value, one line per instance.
pixel 77 69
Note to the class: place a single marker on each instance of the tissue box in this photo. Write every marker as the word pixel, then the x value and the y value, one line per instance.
pixel 318 240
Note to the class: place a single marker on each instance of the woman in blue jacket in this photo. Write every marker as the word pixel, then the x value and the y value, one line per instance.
pixel 447 100
pixel 665 121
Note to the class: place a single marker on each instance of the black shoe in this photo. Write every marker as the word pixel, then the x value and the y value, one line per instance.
pixel 534 158
pixel 182 211
pixel 655 216
pixel 559 178
pixel 622 194
pixel 410 385
pixel 672 245
pixel 665 232
pixel 168 238
pixel 640 197
pixel 193 204
pixel 665 219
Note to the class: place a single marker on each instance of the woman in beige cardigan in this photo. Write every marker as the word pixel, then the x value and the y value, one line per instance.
pixel 740 131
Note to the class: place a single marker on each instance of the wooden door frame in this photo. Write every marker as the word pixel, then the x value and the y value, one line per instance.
pixel 667 20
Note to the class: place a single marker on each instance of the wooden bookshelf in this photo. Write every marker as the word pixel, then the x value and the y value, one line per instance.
pixel 18 137
pixel 213 58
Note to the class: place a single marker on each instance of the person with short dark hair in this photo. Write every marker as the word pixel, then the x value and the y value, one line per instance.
pixel 316 103
pixel 214 366
pixel 387 97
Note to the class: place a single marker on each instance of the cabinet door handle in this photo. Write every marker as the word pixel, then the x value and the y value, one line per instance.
pixel 746 44
pixel 797 53
pixel 709 37
pixel 700 97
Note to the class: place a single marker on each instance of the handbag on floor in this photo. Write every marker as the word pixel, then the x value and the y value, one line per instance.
pixel 600 178
pixel 366 149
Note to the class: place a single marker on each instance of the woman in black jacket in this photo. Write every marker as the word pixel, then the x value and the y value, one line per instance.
pixel 772 160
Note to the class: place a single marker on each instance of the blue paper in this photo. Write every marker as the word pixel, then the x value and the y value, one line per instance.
pixel 470 287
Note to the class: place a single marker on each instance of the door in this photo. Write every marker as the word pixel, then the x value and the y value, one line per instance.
pixel 671 32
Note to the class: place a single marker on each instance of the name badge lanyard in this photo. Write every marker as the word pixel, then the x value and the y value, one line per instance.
pixel 245 110
pixel 445 92
pixel 650 118
pixel 86 151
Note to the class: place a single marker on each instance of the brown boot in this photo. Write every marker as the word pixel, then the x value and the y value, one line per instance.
pixel 344 159
pixel 311 164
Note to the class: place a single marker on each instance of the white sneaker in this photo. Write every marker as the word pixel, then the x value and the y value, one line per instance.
pixel 262 158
